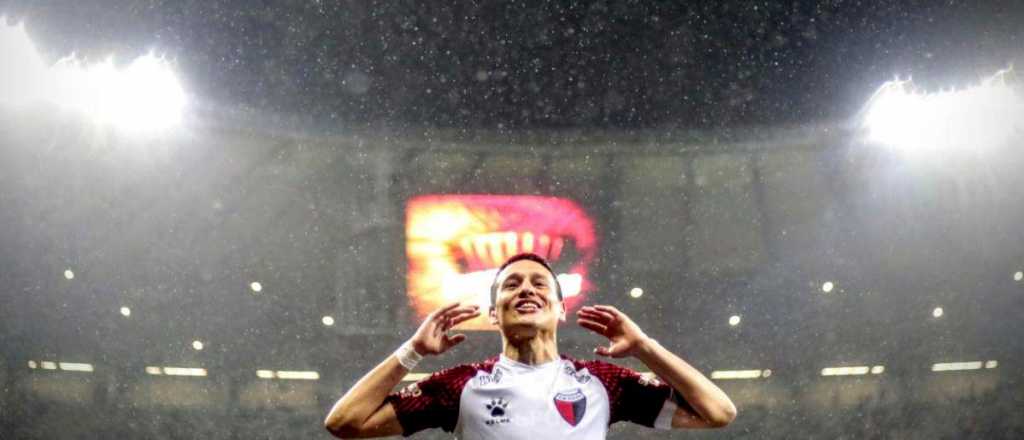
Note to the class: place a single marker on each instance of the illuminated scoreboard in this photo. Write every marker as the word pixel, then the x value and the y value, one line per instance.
pixel 455 243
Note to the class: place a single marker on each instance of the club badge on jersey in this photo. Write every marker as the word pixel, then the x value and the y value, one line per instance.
pixel 571 406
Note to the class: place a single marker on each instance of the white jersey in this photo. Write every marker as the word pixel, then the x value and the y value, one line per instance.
pixel 562 399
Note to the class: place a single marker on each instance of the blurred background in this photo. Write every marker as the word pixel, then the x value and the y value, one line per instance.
pixel 216 216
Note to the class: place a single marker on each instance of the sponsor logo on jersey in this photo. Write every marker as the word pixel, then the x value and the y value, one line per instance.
pixel 498 408
pixel 571 405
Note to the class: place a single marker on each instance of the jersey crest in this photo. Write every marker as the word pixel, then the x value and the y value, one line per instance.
pixel 571 406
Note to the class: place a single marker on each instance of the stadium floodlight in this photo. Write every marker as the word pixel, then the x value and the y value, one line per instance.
pixel 76 366
pixel 988 114
pixel 144 97
pixel 845 371
pixel 288 375
pixel 957 366
pixel 827 286
pixel 298 375
pixel 184 371
pixel 737 374
pixel 141 97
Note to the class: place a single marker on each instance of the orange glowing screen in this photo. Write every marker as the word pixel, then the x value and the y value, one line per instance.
pixel 455 243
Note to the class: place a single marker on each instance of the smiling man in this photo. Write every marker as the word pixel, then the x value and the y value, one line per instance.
pixel 530 391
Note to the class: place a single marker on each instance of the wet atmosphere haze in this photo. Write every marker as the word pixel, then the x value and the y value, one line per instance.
pixel 215 215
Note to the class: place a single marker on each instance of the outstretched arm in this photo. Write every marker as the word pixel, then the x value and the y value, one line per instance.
pixel 361 412
pixel 714 409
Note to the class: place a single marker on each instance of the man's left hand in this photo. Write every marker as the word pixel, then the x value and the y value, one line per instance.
pixel 624 335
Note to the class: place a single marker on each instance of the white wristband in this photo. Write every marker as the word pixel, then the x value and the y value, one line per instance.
pixel 407 356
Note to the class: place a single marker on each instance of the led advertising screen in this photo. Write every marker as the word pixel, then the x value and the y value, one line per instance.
pixel 455 243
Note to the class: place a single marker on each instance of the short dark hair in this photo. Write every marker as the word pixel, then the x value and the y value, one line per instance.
pixel 520 257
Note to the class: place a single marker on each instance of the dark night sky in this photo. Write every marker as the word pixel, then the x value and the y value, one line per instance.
pixel 543 64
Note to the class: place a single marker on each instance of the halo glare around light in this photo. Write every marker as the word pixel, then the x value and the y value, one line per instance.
pixel 142 97
pixel 901 116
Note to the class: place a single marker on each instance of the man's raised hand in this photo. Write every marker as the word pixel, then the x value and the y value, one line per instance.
pixel 432 337
pixel 624 336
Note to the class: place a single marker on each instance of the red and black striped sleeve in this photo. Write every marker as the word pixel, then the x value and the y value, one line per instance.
pixel 632 396
pixel 432 402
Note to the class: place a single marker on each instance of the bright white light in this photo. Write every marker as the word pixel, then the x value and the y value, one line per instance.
pixel 126 311
pixel 328 320
pixel 636 292
pixel 198 345
pixel 734 320
pixel 69 274
pixel 144 96
pixel 1017 276
pixel 737 374
pixel 937 312
pixel 466 285
pixel 298 375
pixel 49 365
pixel 827 287
pixel 957 366
pixel 984 115
pixel 844 371
pixel 256 286
pixel 572 284
pixel 991 364
pixel 179 371
pixel 74 366
pixel 156 371
pixel 878 369
pixel 264 374
pixel 32 365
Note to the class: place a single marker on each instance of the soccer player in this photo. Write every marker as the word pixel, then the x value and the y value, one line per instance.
pixel 530 391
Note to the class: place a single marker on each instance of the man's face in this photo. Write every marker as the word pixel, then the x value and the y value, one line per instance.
pixel 526 298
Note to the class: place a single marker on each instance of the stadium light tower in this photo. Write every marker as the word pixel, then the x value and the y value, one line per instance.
pixel 146 96
pixel 985 115
pixel 141 98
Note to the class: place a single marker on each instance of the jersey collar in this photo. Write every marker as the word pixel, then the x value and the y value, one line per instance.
pixel 519 366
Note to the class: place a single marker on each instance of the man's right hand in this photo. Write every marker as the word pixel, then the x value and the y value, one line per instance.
pixel 432 337
pixel 362 411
